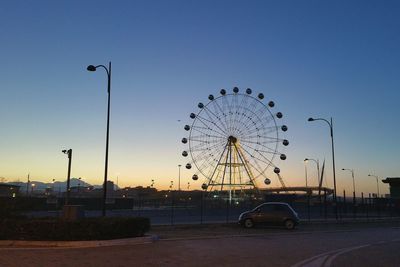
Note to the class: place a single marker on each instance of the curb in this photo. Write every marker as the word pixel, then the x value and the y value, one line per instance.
pixel 77 244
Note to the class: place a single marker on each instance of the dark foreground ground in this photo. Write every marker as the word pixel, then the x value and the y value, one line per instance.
pixel 349 244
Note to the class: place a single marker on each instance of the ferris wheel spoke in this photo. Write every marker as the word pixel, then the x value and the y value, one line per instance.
pixel 267 130
pixel 207 129
pixel 208 135
pixel 217 106
pixel 236 111
pixel 266 160
pixel 227 114
pixel 203 120
pixel 205 138
pixel 212 115
pixel 242 105
pixel 257 168
pixel 251 120
pixel 269 141
pixel 254 104
pixel 201 141
pixel 249 123
pixel 199 147
pixel 271 151
pixel 268 152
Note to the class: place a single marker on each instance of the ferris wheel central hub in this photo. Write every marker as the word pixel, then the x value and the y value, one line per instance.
pixel 232 139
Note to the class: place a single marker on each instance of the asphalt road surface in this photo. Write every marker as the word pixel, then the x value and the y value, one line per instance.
pixel 338 245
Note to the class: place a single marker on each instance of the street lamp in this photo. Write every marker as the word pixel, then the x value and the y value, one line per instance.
pixel 377 184
pixel 179 177
pixel 108 71
pixel 305 168
pixel 69 153
pixel 354 183
pixel 333 159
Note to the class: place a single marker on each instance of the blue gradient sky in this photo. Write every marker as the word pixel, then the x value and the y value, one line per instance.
pixel 313 58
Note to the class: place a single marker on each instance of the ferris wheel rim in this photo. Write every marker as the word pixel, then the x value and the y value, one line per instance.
pixel 204 107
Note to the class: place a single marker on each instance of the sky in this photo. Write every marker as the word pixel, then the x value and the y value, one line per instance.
pixel 324 59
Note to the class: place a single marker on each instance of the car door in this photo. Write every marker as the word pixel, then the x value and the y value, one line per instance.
pixel 264 214
pixel 278 214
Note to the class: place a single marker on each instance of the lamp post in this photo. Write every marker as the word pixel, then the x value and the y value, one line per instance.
pixel 377 184
pixel 32 187
pixel 354 183
pixel 108 71
pixel 69 153
pixel 333 160
pixel 179 177
pixel 305 169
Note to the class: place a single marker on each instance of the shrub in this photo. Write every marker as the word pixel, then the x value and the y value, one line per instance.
pixel 84 229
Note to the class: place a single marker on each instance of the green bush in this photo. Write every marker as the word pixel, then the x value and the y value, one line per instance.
pixel 84 229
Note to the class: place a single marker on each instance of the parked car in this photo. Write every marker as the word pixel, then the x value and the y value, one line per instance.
pixel 270 213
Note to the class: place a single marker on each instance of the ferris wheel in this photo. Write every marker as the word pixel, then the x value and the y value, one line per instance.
pixel 234 140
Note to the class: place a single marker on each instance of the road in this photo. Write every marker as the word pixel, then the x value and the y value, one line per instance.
pixel 338 245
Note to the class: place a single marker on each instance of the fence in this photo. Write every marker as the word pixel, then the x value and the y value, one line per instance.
pixel 200 207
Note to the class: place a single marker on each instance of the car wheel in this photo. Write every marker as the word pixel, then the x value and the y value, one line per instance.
pixel 289 224
pixel 248 223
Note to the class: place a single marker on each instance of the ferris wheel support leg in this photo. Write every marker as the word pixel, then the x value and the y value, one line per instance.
pixel 216 167
pixel 246 167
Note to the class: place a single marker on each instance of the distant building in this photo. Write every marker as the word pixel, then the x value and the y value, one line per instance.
pixel 9 190
pixel 394 186
pixel 136 192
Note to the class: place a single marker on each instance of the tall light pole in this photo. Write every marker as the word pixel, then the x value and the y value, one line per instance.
pixel 32 187
pixel 69 153
pixel 108 71
pixel 305 169
pixel 377 184
pixel 354 183
pixel 179 177
pixel 333 160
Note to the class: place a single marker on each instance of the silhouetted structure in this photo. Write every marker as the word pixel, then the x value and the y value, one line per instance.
pixel 394 186
pixel 8 190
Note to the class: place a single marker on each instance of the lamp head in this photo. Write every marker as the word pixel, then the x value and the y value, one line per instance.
pixel 91 68
pixel 343 169
pixel 310 119
pixel 64 151
pixel 306 159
